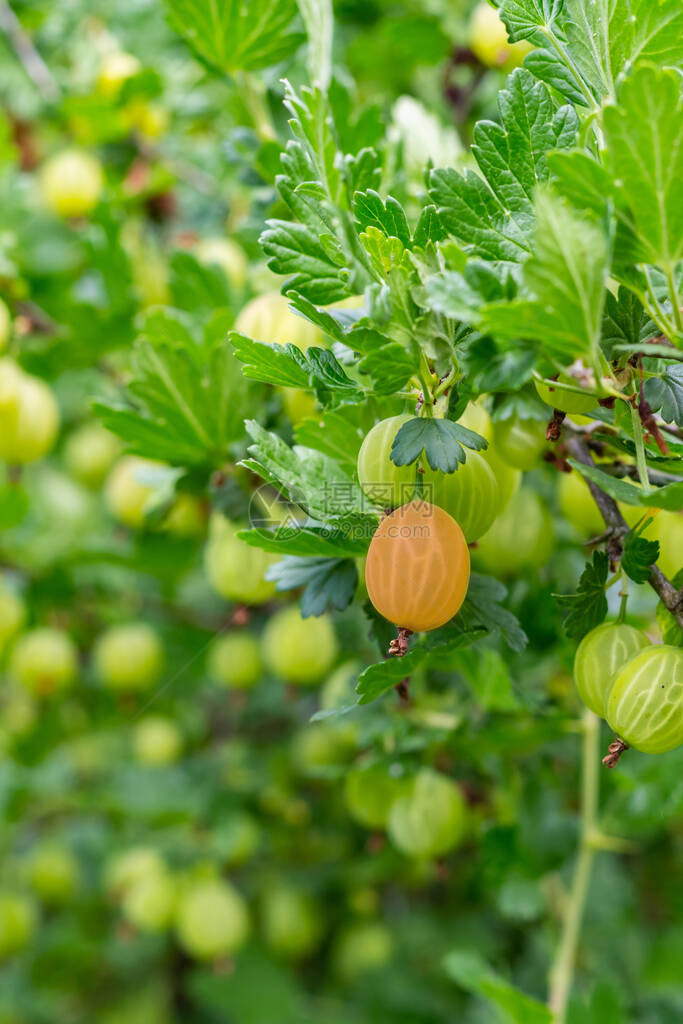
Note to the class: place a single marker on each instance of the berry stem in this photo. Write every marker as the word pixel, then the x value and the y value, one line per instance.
pixel 562 970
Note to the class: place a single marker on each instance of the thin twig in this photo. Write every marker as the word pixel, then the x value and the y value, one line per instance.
pixel 617 527
pixel 33 63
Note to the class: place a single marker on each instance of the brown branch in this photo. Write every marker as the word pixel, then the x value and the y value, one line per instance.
pixel 33 63
pixel 617 527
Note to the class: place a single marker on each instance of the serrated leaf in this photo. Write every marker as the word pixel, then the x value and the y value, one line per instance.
pixel 388 362
pixel 386 215
pixel 442 441
pixel 472 973
pixel 620 490
pixel 318 18
pixel 482 607
pixel 272 364
pixel 333 434
pixel 605 40
pixel 548 66
pixel 385 253
pixel 295 249
pixel 512 154
pixel 196 287
pixel 639 553
pixel 288 366
pixel 624 321
pixel 523 18
pixel 665 394
pixel 377 679
pixel 186 399
pixel 649 120
pixel 587 608
pixel 311 479
pixel 429 227
pixel 234 36
pixel 584 182
pixel 566 279
pixel 307 541
pixel 669 497
pixel 329 583
pixel 495 216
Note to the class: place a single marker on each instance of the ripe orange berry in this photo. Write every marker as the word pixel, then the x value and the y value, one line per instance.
pixel 418 567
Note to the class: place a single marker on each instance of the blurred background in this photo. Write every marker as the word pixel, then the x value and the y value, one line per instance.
pixel 180 842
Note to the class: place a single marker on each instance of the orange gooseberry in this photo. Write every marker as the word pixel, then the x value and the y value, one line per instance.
pixel 418 567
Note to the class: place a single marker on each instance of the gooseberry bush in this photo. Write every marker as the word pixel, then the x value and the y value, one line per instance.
pixel 341 480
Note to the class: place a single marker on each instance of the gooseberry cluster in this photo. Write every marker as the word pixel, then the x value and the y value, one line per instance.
pixel 635 685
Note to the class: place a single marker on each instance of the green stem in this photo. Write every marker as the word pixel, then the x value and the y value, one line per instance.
pixel 566 59
pixel 675 300
pixel 655 310
pixel 562 970
pixel 445 384
pixel 640 448
pixel 252 97
pixel 424 374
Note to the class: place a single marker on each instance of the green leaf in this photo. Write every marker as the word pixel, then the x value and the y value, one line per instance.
pixel 273 364
pixel 385 253
pixel 605 40
pixel 386 215
pixel 186 398
pixel 666 394
pixel 580 179
pixel 234 36
pixel 330 382
pixel 649 120
pixel 311 479
pixel 334 434
pixel 669 497
pixel 196 287
pixel 297 250
pixel 639 554
pixel 624 321
pixel 483 608
pixel 566 279
pixel 388 363
pixel 548 66
pixel 472 973
pixel 329 583
pixel 319 21
pixel 377 679
pixel 287 366
pixel 523 18
pixel 587 608
pixel 512 154
pixel 307 541
pixel 495 215
pixel 442 442
pixel 620 490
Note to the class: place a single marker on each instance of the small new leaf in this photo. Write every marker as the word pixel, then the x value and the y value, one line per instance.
pixel 442 441
pixel 588 606
pixel 639 553
pixel 666 394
